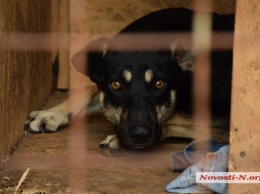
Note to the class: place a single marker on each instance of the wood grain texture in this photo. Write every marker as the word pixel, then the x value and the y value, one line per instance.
pixel 26 78
pixel 245 116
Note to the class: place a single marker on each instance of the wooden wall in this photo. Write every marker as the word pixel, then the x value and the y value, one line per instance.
pixel 26 57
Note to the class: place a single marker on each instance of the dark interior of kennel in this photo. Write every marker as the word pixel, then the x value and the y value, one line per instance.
pixel 26 82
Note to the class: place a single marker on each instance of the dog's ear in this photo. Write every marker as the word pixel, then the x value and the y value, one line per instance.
pixel 183 59
pixel 89 60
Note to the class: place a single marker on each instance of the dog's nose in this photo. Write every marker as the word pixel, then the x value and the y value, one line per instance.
pixel 141 135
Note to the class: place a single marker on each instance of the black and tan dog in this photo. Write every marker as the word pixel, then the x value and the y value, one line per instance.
pixel 142 86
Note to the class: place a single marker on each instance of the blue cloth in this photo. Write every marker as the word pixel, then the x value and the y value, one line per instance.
pixel 199 156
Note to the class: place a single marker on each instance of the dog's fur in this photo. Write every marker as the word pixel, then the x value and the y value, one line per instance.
pixel 146 92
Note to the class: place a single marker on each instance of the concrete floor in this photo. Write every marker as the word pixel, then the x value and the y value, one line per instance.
pixel 69 161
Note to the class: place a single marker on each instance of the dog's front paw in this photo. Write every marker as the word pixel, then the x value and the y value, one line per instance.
pixel 45 121
pixel 110 146
pixel 111 142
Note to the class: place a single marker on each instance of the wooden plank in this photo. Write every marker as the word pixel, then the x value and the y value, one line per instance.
pixel 25 80
pixel 244 153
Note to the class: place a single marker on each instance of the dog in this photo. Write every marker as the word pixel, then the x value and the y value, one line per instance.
pixel 143 88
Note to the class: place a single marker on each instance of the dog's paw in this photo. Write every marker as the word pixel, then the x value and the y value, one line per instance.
pixel 110 146
pixel 45 121
pixel 111 142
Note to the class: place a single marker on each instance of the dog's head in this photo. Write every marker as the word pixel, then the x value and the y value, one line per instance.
pixel 137 88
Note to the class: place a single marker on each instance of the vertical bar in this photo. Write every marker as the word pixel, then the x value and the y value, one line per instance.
pixel 201 35
pixel 77 154
pixel 78 97
pixel 63 44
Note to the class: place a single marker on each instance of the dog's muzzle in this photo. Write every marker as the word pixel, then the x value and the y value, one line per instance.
pixel 138 135
pixel 139 126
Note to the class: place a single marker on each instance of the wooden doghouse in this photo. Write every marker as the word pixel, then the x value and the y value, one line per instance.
pixel 26 79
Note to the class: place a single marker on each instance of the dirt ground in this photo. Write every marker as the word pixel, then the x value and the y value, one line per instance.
pixel 71 162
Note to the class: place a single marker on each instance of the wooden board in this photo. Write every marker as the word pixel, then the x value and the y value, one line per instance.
pixel 245 112
pixel 25 68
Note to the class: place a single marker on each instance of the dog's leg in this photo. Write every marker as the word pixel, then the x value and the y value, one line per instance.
pixel 45 121
pixel 182 125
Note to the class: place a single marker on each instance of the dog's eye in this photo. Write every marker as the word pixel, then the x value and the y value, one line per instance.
pixel 159 84
pixel 116 85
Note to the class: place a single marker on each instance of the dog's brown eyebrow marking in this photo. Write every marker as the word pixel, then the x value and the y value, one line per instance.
pixel 148 75
pixel 127 75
